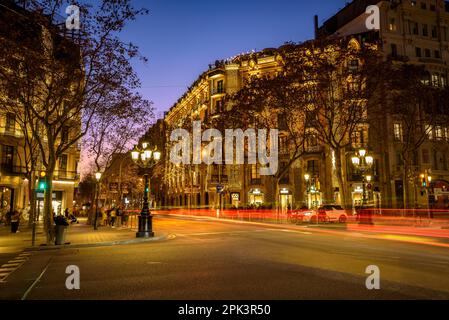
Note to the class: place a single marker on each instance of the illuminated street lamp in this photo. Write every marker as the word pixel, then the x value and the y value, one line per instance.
pixel 363 163
pixel 98 178
pixel 145 158
pixel 426 179
pixel 313 185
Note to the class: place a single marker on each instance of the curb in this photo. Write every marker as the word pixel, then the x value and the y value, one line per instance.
pixel 99 244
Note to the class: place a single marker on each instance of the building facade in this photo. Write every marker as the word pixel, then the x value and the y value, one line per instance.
pixel 415 32
pixel 13 178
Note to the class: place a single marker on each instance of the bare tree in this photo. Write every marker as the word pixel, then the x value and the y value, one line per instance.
pixel 417 107
pixel 63 83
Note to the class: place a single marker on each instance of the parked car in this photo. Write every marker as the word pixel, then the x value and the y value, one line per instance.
pixel 331 213
pixel 300 215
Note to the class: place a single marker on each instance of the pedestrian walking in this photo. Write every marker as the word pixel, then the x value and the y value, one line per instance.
pixel 113 217
pixel 15 221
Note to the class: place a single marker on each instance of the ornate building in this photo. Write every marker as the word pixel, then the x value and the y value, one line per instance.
pixel 13 182
pixel 410 31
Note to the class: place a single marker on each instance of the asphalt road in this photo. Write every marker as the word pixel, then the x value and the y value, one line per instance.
pixel 217 260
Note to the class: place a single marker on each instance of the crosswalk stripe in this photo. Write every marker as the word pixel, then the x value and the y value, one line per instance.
pixel 10 265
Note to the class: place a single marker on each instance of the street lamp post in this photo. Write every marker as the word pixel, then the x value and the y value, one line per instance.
pixel 97 195
pixel 145 158
pixel 426 182
pixel 312 184
pixel 363 163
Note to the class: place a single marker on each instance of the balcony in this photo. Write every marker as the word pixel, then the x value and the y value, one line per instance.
pixel 431 60
pixel 314 149
pixel 218 179
pixel 7 169
pixel 256 182
pixel 218 91
pixel 11 131
pixel 66 175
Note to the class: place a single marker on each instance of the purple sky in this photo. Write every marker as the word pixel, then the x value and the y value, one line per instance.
pixel 181 38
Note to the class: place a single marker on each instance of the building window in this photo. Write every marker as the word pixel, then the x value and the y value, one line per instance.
pixel 439 134
pixel 425 30
pixel 399 160
pixel 435 159
pixel 219 106
pixel 63 164
pixel 313 167
pixel 435 79
pixel 394 50
pixel 434 32
pixel 311 140
pixel 415 28
pixel 7 158
pixel 427 53
pixel 255 172
pixel 65 135
pixel 283 145
pixel 429 131
pixel 282 122
pixel 423 5
pixel 398 134
pixel 425 156
pixel 418 52
pixel 392 24
pixel 10 122
pixel 437 54
pixel 353 65
pixel 220 86
pixel 426 79
pixel 443 80
pixel 432 7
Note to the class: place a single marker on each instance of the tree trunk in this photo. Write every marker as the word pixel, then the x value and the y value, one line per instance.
pixel 32 199
pixel 340 178
pixel 48 208
pixel 405 188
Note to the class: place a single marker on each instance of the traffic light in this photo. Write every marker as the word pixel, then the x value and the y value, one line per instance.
pixel 42 183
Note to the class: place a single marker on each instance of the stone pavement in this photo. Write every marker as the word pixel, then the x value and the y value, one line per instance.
pixel 77 234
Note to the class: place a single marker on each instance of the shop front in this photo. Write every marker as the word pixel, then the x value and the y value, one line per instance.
pixel 441 195
pixel 256 197
pixel 314 199
pixel 285 199
pixel 6 199
pixel 235 199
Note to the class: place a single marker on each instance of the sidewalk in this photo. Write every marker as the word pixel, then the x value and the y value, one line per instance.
pixel 77 235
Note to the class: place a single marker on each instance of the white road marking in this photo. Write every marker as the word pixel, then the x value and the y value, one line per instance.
pixel 8 268
pixel 25 295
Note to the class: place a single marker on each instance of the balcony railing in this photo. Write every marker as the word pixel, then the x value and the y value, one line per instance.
pixel 8 169
pixel 431 60
pixel 218 179
pixel 216 91
pixel 11 131
pixel 66 175
pixel 314 149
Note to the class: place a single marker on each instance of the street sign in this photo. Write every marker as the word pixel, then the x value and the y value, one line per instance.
pixel 220 188
pixel 113 187
pixel 40 195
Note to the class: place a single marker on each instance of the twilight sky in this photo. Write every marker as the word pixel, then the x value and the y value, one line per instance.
pixel 182 37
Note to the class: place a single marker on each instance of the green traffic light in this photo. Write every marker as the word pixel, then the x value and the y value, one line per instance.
pixel 42 185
